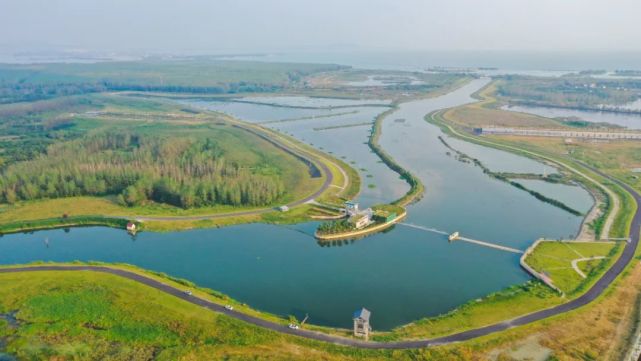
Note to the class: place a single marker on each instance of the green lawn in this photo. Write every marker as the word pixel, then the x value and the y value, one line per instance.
pixel 554 259
pixel 95 316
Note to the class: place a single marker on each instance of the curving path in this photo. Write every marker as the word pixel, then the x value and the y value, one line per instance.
pixel 575 264
pixel 594 292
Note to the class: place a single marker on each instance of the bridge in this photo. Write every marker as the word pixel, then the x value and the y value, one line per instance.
pixel 465 239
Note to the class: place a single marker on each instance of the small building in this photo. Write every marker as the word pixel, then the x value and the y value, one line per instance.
pixel 283 208
pixel 131 227
pixel 362 327
pixel 384 216
pixel 359 221
pixel 351 208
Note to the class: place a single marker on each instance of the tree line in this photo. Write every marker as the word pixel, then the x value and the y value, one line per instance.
pixel 334 227
pixel 183 172
pixel 26 92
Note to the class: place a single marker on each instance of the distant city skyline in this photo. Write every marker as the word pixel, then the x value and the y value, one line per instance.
pixel 242 26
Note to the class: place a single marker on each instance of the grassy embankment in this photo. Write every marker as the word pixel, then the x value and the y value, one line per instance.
pixel 554 259
pixel 162 119
pixel 95 316
pixel 416 186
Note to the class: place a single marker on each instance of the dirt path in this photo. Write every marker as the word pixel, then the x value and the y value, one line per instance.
pixel 575 265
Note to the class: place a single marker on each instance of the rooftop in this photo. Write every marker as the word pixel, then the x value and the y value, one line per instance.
pixel 363 314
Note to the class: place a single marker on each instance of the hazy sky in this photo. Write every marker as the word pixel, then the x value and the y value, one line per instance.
pixel 217 26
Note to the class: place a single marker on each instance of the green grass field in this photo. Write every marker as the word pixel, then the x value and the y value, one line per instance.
pixel 92 316
pixel 555 258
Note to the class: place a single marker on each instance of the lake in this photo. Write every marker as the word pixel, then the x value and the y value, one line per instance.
pixel 400 275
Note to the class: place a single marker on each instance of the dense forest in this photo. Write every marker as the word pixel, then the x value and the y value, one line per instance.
pixel 25 92
pixel 183 172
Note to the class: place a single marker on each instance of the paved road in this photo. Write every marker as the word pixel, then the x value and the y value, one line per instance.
pixel 303 156
pixel 594 292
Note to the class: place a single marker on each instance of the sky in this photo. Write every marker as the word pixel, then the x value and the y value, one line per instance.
pixel 247 26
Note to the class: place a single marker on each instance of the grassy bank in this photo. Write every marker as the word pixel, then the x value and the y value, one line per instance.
pixel 62 222
pixel 95 316
pixel 416 186
pixel 119 319
pixel 554 259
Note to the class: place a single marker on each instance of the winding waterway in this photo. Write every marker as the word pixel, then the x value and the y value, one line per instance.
pixel 401 275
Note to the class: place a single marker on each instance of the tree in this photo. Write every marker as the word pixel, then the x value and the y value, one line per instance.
pixel 131 196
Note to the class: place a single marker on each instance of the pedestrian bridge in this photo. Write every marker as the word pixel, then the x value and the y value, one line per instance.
pixel 464 239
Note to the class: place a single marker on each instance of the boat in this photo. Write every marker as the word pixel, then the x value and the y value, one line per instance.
pixel 454 236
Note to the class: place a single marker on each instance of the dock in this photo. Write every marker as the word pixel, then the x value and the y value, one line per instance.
pixel 464 239
pixel 491 245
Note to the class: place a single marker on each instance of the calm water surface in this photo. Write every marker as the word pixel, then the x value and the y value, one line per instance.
pixel 262 113
pixel 318 102
pixel 631 121
pixel 573 196
pixel 400 275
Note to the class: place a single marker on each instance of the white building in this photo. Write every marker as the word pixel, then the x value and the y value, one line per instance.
pixel 362 327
